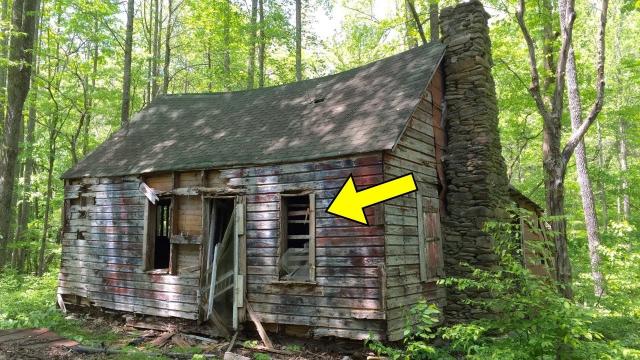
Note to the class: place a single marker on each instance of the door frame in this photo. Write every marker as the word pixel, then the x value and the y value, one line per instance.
pixel 240 253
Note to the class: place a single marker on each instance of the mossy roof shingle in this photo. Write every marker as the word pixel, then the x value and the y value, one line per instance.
pixel 362 110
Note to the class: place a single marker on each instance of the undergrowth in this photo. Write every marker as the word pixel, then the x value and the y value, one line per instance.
pixel 527 318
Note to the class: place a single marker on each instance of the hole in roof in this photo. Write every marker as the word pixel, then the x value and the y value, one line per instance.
pixel 318 100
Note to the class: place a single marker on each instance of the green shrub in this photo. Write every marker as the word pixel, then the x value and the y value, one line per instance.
pixel 526 318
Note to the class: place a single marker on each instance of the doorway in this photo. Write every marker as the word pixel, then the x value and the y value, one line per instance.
pixel 220 261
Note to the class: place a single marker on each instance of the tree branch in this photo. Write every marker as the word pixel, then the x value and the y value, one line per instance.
pixel 416 18
pixel 566 10
pixel 577 135
pixel 534 88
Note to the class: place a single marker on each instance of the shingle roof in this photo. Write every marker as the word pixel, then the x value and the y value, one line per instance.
pixel 357 111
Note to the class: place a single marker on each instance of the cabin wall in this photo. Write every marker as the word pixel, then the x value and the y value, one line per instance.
pixel 408 244
pixel 346 298
pixel 102 252
pixel 537 249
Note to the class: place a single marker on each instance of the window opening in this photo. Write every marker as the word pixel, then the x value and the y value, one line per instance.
pixel 296 233
pixel 162 248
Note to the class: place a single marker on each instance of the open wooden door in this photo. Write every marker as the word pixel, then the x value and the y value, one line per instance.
pixel 223 283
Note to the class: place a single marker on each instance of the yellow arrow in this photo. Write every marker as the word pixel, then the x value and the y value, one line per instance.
pixel 350 203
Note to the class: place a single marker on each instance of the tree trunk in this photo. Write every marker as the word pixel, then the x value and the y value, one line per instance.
pixel 126 77
pixel 298 40
pixel 25 206
pixel 601 185
pixel 226 61
pixel 410 41
pixel 261 44
pixel 434 20
pixel 148 32
pixel 548 38
pixel 47 206
pixel 24 16
pixel 90 101
pixel 156 48
pixel 624 169
pixel 251 68
pixel 209 71
pixel 3 69
pixel 416 19
pixel 554 171
pixel 586 191
pixel 167 51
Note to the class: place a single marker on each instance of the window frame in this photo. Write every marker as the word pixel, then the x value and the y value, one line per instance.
pixel 149 237
pixel 282 234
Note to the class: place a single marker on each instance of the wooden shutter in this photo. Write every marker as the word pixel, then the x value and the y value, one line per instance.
pixel 435 261
pixel 429 242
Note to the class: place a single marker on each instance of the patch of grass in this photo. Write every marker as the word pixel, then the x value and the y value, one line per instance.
pixel 293 348
pixel 261 356
pixel 250 344
pixel 28 301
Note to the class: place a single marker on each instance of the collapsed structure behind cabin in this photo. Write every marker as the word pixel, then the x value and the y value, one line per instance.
pixel 208 205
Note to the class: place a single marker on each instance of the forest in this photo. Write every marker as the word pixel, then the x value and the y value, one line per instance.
pixel 567 77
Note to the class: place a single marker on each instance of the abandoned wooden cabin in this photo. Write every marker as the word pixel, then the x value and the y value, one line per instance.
pixel 208 204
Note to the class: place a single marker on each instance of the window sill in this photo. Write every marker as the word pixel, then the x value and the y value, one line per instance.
pixel 294 282
pixel 157 272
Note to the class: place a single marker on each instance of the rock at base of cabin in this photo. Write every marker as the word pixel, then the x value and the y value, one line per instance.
pixel 233 356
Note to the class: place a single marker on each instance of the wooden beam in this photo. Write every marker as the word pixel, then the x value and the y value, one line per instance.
pixel 61 303
pixel 232 342
pixel 185 239
pixel 149 192
pixel 201 190
pixel 256 321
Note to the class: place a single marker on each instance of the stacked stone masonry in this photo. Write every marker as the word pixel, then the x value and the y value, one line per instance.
pixel 475 170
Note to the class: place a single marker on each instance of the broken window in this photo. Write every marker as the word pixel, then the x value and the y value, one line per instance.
pixel 158 246
pixel 297 237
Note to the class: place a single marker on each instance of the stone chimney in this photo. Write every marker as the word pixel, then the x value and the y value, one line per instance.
pixel 475 169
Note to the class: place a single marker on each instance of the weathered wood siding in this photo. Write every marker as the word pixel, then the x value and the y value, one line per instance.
pixel 102 252
pixel 346 297
pixel 415 153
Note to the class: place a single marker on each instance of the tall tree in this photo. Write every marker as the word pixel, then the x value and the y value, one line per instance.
pixel 434 19
pixel 416 19
pixel 167 49
pixel 251 68
pixel 601 184
pixel 126 77
pixel 24 211
pixel 90 99
pixel 550 107
pixel 298 40
pixel 409 24
pixel 586 190
pixel 23 20
pixel 157 35
pixel 624 169
pixel 261 44
pixel 3 69
pixel 226 38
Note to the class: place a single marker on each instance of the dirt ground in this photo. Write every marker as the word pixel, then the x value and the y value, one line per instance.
pixel 141 337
